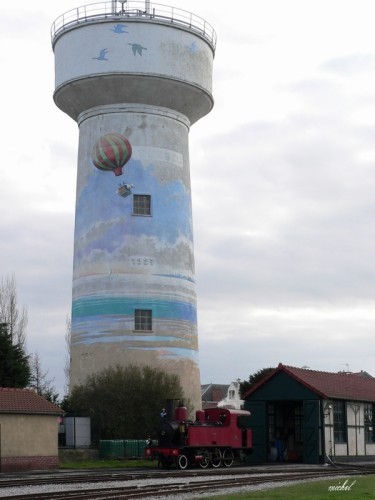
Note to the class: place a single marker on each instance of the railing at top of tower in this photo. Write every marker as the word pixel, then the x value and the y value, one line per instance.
pixel 144 10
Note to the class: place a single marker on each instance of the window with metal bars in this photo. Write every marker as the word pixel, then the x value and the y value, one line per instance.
pixel 143 320
pixel 339 422
pixel 369 423
pixel 141 204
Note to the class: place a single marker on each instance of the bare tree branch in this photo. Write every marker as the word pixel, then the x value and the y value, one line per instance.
pixel 39 380
pixel 10 312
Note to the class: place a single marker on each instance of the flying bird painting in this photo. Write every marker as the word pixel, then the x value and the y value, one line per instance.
pixel 119 29
pixel 137 49
pixel 102 54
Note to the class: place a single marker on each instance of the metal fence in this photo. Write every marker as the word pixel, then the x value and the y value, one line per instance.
pixel 144 10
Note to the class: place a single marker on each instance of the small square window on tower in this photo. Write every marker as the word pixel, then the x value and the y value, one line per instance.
pixel 141 204
pixel 143 319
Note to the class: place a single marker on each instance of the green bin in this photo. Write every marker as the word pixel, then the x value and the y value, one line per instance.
pixel 131 448
pixel 111 449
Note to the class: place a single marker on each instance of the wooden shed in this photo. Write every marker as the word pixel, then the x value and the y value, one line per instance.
pixel 303 415
pixel 28 431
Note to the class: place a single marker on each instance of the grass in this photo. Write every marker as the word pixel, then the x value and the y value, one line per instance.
pixel 361 487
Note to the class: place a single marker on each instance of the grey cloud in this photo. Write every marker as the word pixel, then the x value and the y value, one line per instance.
pixel 350 65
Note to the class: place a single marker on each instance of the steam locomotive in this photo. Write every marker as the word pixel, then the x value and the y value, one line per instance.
pixel 217 437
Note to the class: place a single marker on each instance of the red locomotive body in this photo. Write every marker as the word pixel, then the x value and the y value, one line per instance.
pixel 217 437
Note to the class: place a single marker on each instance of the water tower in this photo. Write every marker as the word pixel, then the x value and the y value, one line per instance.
pixel 134 76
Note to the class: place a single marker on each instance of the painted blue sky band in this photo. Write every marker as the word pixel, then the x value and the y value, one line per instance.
pixel 161 309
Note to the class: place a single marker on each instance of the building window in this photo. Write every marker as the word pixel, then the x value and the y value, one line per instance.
pixel 143 320
pixel 231 394
pixel 141 204
pixel 369 423
pixel 339 422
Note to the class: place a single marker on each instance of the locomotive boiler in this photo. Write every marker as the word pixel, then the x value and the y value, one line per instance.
pixel 217 437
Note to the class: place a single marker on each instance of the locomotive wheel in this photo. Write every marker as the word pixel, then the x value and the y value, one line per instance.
pixel 204 462
pixel 228 457
pixel 216 458
pixel 182 461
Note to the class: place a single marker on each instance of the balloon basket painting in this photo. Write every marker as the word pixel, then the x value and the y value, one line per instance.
pixel 124 190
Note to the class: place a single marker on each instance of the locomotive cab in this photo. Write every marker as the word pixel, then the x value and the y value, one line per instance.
pixel 217 416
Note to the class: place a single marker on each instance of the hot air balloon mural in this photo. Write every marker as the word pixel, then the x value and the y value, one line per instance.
pixel 111 152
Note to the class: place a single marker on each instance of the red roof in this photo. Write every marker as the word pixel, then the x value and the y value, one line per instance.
pixel 26 401
pixel 342 385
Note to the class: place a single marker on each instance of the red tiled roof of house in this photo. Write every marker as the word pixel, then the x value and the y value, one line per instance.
pixel 26 401
pixel 342 385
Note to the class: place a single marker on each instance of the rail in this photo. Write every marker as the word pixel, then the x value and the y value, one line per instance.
pixel 144 10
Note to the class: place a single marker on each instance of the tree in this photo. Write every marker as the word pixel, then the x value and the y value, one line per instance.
pixel 14 321
pixel 254 379
pixel 123 402
pixel 14 363
pixel 39 380
pixel 15 318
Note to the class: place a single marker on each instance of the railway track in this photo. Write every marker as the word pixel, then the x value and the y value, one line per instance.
pixel 125 485
pixel 74 478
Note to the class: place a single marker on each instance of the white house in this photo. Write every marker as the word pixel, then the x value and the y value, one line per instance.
pixel 233 399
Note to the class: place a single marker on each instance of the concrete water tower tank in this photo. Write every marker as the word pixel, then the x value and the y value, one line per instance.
pixel 134 76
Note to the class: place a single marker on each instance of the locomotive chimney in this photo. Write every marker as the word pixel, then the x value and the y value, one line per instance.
pixel 181 413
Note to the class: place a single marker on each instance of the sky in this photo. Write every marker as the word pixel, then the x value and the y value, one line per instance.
pixel 283 182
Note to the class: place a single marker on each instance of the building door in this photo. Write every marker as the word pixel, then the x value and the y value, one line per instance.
pixel 258 421
pixel 311 432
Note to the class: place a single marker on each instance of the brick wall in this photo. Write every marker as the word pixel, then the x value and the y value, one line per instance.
pixel 19 464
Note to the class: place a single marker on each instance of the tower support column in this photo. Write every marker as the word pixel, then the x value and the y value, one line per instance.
pixel 132 259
